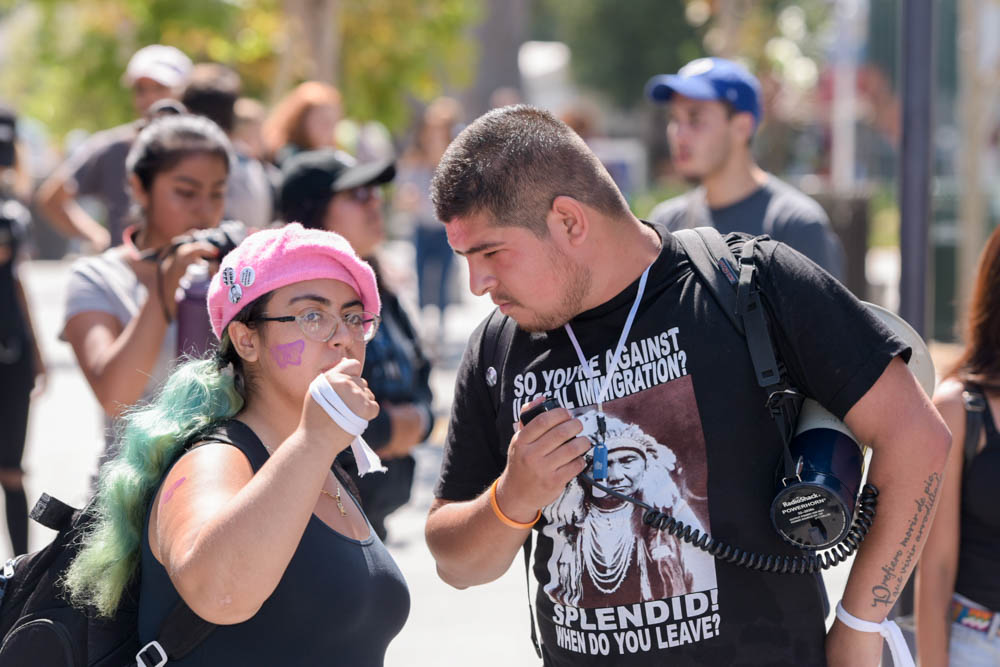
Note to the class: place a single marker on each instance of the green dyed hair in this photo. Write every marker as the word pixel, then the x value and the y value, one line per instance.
pixel 197 394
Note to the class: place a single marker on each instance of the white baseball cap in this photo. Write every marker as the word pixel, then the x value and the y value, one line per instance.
pixel 163 64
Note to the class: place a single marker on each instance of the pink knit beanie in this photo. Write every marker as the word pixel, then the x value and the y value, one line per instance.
pixel 272 258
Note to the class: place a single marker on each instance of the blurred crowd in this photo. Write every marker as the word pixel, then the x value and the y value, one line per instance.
pixel 152 206
pixel 149 206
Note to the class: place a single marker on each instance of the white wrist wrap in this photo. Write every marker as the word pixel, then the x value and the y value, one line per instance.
pixel 888 629
pixel 344 417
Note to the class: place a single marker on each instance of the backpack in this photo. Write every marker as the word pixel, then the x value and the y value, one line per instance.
pixel 38 626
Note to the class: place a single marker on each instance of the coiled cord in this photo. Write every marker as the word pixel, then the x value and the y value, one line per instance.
pixel 810 564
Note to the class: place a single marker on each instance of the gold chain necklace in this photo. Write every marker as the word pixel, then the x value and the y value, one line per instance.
pixel 340 503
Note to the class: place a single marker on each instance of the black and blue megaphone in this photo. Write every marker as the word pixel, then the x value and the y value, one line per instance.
pixel 815 507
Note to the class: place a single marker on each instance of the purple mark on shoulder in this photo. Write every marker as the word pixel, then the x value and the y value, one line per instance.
pixel 169 493
pixel 289 354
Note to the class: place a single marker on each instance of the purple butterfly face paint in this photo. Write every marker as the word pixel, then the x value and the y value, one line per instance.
pixel 289 354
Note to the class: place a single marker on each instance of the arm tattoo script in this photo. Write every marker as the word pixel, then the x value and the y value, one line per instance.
pixel 897 570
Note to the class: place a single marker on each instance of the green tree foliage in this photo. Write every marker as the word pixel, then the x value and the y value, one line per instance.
pixel 618 45
pixel 63 59
pixel 394 49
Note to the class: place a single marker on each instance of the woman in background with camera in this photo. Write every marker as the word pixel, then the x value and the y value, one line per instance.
pixel 958 578
pixel 120 305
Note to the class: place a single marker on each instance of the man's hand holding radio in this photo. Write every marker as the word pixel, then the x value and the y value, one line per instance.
pixel 471 543
pixel 544 455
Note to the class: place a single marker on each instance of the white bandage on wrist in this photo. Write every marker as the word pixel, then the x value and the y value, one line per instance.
pixel 888 629
pixel 328 399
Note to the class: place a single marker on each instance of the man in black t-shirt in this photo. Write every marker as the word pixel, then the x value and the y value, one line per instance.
pixel 611 319
pixel 715 109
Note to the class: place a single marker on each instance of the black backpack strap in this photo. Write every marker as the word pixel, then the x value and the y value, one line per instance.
pixel 53 513
pixel 736 291
pixel 182 631
pixel 498 338
pixel 715 265
pixel 975 407
pixel 526 549
pixel 751 311
pixel 738 295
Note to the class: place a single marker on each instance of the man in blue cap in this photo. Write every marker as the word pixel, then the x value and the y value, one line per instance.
pixel 715 109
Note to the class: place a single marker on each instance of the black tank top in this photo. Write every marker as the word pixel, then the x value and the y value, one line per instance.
pixel 339 602
pixel 979 545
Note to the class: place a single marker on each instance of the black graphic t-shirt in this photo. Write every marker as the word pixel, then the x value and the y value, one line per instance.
pixel 687 432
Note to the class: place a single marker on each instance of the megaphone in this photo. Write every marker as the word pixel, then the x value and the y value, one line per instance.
pixel 814 509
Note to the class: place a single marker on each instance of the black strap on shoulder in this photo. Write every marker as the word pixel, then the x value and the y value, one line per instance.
pixel 975 407
pixel 526 549
pixel 498 337
pixel 182 631
pixel 53 513
pixel 738 295
pixel 715 265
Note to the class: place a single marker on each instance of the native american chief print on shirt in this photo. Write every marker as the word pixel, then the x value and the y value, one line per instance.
pixel 602 553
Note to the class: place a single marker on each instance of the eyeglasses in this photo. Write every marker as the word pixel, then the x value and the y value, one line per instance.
pixel 320 326
pixel 363 194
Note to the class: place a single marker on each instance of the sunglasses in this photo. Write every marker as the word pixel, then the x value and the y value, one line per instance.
pixel 363 194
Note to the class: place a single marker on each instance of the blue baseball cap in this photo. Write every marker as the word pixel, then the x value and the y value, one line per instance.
pixel 714 79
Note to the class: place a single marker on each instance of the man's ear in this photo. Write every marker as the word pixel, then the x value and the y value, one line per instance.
pixel 744 126
pixel 138 192
pixel 245 341
pixel 568 220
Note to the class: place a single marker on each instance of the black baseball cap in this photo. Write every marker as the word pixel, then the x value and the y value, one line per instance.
pixel 8 135
pixel 310 178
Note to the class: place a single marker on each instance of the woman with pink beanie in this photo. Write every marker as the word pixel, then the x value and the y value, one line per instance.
pixel 222 496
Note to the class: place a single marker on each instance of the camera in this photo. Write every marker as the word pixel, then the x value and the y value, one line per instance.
pixel 225 237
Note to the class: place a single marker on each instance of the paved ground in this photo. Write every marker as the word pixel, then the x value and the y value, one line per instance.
pixel 446 627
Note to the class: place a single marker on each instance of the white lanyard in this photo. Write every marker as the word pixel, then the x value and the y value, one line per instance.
pixel 613 365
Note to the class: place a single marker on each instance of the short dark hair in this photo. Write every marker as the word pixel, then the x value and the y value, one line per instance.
pixel 212 92
pixel 512 162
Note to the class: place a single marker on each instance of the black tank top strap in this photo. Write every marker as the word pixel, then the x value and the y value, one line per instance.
pixel 239 435
pixel 991 427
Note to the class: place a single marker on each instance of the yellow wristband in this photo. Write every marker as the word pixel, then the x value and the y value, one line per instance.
pixel 503 517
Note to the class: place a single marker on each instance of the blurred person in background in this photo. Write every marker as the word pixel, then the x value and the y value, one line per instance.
pixel 248 127
pixel 322 191
pixel 213 91
pixel 303 120
pixel 120 306
pixel 715 110
pixel 223 498
pixel 438 125
pixel 97 167
pixel 958 578
pixel 21 366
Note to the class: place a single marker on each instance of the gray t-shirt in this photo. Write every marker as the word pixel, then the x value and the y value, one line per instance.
pixel 98 168
pixel 249 194
pixel 106 284
pixel 776 209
